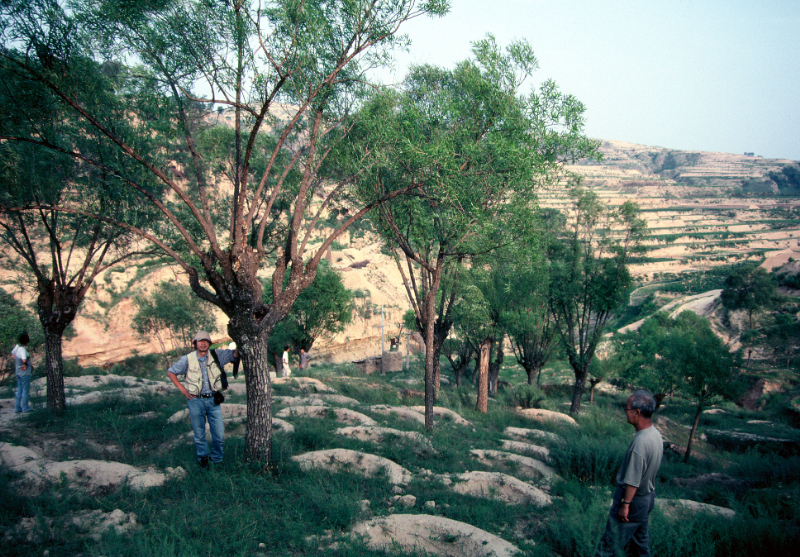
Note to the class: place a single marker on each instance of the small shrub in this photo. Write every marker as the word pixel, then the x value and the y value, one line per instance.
pixel 71 368
pixel 525 396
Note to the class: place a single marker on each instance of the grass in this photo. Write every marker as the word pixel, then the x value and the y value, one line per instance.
pixel 234 510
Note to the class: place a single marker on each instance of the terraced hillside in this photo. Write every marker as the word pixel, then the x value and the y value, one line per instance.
pixel 694 205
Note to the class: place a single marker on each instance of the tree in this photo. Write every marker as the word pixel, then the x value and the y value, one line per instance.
pixel 530 324
pixel 172 310
pixel 707 371
pixel 783 335
pixel 61 253
pixel 646 354
pixel 286 73
pixel 749 288
pixel 681 355
pixel 474 151
pixel 459 352
pixel 589 278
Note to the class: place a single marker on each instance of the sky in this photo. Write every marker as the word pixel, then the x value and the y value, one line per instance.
pixel 708 75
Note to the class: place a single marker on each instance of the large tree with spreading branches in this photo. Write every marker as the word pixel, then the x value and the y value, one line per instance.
pixel 245 188
pixel 474 149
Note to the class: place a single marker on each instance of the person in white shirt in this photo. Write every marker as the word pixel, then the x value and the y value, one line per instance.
pixel 24 369
pixel 286 371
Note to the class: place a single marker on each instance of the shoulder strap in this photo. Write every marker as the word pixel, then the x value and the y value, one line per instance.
pixel 223 375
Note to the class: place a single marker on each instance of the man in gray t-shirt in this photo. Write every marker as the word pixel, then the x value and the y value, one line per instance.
pixel 635 496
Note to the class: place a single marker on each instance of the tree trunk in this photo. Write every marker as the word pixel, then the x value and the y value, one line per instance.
pixel 692 432
pixel 476 374
pixel 592 384
pixel 538 375
pixel 494 369
pixel 459 371
pixel 56 399
pixel 577 392
pixel 57 307
pixel 438 341
pixel 530 372
pixel 255 361
pixel 430 387
pixel 483 376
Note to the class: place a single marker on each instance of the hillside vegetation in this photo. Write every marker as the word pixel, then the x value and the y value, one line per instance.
pixel 547 484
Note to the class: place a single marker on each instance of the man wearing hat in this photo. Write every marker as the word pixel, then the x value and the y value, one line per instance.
pixel 203 380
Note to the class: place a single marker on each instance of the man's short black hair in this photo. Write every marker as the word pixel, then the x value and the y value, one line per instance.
pixel 644 402
pixel 24 339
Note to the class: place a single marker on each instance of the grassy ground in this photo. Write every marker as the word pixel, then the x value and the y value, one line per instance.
pixel 232 510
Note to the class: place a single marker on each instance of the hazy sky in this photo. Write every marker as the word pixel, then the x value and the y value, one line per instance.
pixel 710 75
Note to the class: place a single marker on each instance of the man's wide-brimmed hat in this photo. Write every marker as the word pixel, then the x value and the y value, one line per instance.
pixel 202 335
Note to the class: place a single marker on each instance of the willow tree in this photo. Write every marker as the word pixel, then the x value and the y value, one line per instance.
pixel 244 187
pixel 589 277
pixel 474 150
pixel 59 255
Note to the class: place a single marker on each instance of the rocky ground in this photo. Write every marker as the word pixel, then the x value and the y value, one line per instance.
pixel 521 472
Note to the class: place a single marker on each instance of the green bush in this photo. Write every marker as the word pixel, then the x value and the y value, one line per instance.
pixel 146 366
pixel 524 396
pixel 71 368
pixel 589 459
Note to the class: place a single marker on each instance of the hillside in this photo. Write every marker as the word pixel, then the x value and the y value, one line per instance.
pixel 687 198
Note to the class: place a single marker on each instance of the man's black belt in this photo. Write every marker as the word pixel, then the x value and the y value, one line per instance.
pixel 206 396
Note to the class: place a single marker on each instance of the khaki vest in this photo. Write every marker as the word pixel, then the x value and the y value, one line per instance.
pixel 194 375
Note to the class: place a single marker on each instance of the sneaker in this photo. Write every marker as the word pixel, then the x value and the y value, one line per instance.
pixel 204 462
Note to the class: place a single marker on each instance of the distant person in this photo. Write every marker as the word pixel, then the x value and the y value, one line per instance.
pixel 204 379
pixel 635 496
pixel 286 371
pixel 304 359
pixel 24 369
pixel 393 344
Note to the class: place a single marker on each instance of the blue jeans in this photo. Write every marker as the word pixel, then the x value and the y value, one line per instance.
pixel 633 534
pixel 200 410
pixel 21 398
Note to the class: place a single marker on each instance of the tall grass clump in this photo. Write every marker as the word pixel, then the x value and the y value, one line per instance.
pixel 577 520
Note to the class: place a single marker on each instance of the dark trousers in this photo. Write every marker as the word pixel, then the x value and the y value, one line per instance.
pixel 633 534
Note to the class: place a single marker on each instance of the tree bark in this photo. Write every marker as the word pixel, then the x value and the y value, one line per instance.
pixel 459 371
pixel 438 341
pixel 577 391
pixel 57 307
pixel 494 369
pixel 483 376
pixel 255 361
pixel 56 399
pixel 430 387
pixel 692 432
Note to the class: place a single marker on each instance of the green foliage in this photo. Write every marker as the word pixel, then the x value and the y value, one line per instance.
pixel 15 320
pixel 787 179
pixel 749 288
pixel 323 308
pixel 788 280
pixel 297 504
pixel 525 396
pixel 589 459
pixel 690 282
pixel 589 278
pixel 172 309
pixel 146 366
pixel 666 355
